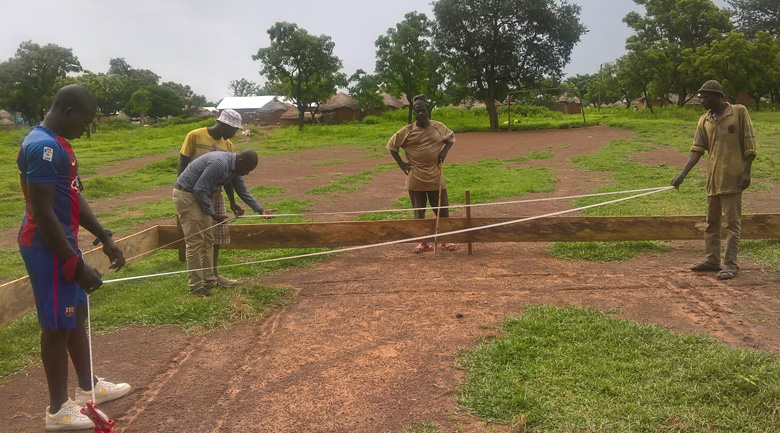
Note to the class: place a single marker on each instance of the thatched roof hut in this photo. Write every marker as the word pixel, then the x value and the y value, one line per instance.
pixel 4 114
pixel 290 117
pixel 392 103
pixel 569 104
pixel 272 112
pixel 340 108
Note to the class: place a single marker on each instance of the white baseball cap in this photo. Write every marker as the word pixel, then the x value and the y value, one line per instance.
pixel 230 118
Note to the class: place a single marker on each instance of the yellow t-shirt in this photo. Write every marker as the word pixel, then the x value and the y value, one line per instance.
pixel 728 141
pixel 422 147
pixel 199 142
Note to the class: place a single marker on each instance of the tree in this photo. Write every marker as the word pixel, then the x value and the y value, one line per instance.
pixel 492 46
pixel 366 90
pixel 672 26
pixel 753 16
pixel 244 87
pixel 132 79
pixel 300 66
pixel 140 103
pixel 406 62
pixel 741 65
pixel 189 100
pixel 164 101
pixel 29 78
pixel 639 70
pixel 107 90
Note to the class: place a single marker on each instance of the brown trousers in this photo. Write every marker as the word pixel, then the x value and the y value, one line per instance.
pixel 199 239
pixel 726 207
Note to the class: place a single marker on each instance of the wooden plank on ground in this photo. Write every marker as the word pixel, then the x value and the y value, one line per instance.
pixel 16 297
pixel 560 229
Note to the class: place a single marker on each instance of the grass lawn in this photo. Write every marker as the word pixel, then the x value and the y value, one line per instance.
pixel 574 370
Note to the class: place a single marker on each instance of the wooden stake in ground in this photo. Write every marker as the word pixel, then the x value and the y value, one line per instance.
pixel 438 213
pixel 468 215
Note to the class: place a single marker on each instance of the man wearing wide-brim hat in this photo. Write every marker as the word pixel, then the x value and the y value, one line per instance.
pixel 726 133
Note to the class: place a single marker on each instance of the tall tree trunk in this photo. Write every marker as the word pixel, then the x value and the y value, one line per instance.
pixel 301 118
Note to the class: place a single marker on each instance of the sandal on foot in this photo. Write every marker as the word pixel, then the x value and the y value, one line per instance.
pixel 448 247
pixel 421 248
pixel 706 267
pixel 727 274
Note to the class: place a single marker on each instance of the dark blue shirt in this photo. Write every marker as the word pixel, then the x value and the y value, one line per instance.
pixel 208 173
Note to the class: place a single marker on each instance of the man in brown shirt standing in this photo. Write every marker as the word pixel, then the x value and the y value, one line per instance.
pixel 726 133
pixel 426 143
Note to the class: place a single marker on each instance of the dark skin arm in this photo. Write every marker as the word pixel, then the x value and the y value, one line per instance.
pixel 443 153
pixel 88 220
pixel 184 161
pixel 237 211
pixel 693 159
pixel 744 179
pixel 405 166
pixel 41 196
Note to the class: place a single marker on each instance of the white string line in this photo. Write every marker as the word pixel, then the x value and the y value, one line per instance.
pixel 389 210
pixel 381 244
pixel 457 206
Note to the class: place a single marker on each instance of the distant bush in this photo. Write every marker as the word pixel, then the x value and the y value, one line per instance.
pixel 183 121
pixel 116 124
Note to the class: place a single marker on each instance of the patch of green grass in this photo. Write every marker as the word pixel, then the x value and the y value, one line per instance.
pixel 605 251
pixel 11 264
pixel 533 156
pixel 423 427
pixel 331 162
pixel 350 183
pixel 571 369
pixel 149 176
pixel 492 179
pixel 766 251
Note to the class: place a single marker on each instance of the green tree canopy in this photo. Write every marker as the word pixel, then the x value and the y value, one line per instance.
pixel 244 87
pixel 492 46
pixel 190 101
pixel 28 80
pixel 741 65
pixel 366 90
pixel 140 102
pixel 300 66
pixel 753 16
pixel 673 26
pixel 406 62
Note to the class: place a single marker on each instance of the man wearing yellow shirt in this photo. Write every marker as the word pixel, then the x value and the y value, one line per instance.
pixel 726 133
pixel 200 142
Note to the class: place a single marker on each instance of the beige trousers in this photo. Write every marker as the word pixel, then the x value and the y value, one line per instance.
pixel 726 207
pixel 199 239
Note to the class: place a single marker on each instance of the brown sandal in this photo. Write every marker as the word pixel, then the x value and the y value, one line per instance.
pixel 706 267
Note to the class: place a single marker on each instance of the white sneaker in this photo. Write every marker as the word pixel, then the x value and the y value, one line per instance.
pixel 69 417
pixel 104 391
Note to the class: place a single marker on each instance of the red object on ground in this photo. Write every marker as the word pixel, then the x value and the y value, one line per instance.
pixel 102 423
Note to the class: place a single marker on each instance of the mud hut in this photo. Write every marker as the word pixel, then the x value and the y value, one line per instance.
pixel 272 112
pixel 569 105
pixel 340 108
pixel 290 117
pixel 391 103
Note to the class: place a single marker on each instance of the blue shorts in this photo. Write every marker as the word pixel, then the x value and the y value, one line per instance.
pixel 55 299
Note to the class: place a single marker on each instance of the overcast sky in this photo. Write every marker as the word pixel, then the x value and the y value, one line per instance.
pixel 206 44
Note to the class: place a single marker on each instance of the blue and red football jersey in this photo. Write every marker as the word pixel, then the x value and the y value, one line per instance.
pixel 48 158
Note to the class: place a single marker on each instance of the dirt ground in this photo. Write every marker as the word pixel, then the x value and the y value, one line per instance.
pixel 371 339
